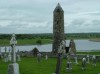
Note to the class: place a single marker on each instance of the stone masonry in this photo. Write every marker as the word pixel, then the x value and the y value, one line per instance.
pixel 58 27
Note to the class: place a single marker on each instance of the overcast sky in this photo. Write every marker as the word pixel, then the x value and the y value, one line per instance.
pixel 36 16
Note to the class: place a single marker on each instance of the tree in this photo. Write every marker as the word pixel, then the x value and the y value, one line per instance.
pixel 35 51
pixel 39 42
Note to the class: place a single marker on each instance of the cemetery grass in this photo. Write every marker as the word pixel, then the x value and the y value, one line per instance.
pixel 31 66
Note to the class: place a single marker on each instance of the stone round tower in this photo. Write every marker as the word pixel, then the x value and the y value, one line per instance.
pixel 58 27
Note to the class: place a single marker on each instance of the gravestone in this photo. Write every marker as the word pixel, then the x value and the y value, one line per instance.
pixel 18 56
pixel 84 63
pixel 46 57
pixel 39 57
pixel 69 66
pixel 88 59
pixel 76 60
pixel 9 55
pixel 13 68
pixel 5 55
pixel 94 60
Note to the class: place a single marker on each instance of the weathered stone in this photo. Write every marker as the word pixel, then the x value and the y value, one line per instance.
pixel 88 59
pixel 84 63
pixel 13 68
pixel 76 60
pixel 72 47
pixel 69 66
pixel 18 56
pixel 58 27
pixel 39 57
pixel 5 58
pixel 46 57
pixel 5 55
pixel 9 55
pixel 94 60
pixel 60 53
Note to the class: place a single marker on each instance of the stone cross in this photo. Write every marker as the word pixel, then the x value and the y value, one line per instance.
pixel 62 46
pixel 13 68
pixel 61 50
pixel 84 63
pixel 13 42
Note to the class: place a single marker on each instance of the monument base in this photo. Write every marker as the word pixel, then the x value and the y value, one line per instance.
pixel 13 68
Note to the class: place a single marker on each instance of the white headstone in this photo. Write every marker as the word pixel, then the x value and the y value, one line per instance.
pixel 94 60
pixel 88 59
pixel 46 57
pixel 13 68
pixel 5 55
pixel 39 57
pixel 5 58
pixel 84 63
pixel 18 56
pixel 76 60
pixel 9 55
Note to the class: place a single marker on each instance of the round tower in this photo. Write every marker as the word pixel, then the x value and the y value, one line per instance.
pixel 58 27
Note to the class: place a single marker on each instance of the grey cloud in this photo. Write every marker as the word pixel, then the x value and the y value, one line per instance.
pixel 80 25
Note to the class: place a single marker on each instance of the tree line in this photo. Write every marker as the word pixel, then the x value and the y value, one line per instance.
pixel 50 36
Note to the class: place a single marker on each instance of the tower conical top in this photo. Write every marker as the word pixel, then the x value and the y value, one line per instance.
pixel 58 8
pixel 58 5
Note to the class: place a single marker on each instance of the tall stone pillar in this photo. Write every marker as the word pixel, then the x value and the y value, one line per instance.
pixel 13 68
pixel 58 27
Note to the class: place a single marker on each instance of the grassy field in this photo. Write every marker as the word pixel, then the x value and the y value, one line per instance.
pixel 31 66
pixel 4 42
pixel 90 53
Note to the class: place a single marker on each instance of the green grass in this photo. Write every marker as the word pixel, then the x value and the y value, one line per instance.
pixel 90 53
pixel 30 66
pixel 4 42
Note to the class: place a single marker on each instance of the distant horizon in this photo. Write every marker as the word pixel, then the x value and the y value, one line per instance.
pixel 50 33
pixel 35 16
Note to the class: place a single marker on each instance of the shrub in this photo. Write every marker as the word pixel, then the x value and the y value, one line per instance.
pixel 35 51
pixel 39 42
